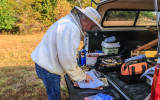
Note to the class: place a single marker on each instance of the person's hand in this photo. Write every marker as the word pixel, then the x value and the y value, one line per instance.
pixel 88 78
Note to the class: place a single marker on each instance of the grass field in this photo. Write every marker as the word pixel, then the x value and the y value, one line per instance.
pixel 21 83
pixel 16 49
pixel 18 79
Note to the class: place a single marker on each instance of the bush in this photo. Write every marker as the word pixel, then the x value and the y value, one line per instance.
pixel 46 10
pixel 28 16
pixel 63 8
pixel 74 3
pixel 34 15
pixel 86 3
pixel 81 3
pixel 7 16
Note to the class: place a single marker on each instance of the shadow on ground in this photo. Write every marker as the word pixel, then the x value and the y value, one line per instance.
pixel 22 83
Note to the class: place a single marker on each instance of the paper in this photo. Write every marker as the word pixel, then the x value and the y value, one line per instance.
pixel 92 84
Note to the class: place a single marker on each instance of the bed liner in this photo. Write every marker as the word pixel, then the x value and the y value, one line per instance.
pixel 138 91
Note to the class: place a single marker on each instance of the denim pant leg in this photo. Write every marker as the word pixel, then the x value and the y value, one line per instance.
pixel 51 82
pixel 39 71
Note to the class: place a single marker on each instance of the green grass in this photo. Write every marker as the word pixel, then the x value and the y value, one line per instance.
pixel 22 83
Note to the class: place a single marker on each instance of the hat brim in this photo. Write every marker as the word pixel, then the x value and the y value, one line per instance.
pixel 81 10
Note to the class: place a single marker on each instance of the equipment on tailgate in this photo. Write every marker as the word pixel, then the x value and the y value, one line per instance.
pixel 132 70
pixel 108 63
pixel 91 58
pixel 82 57
pixel 110 48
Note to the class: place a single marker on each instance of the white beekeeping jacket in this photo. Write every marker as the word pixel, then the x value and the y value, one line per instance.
pixel 57 50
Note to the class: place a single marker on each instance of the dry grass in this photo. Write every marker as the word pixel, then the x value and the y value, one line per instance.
pixel 20 81
pixel 16 49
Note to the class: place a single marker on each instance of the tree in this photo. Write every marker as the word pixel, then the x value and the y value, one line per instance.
pixel 63 8
pixel 7 16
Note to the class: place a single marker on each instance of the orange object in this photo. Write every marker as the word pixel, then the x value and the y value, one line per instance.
pixel 132 70
pixel 137 68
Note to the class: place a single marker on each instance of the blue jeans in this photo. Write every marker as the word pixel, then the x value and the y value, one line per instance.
pixel 51 82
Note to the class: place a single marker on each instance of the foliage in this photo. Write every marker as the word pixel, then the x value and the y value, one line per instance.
pixel 81 3
pixel 121 14
pixel 35 15
pixel 46 10
pixel 74 3
pixel 129 14
pixel 63 8
pixel 29 16
pixel 7 17
pixel 86 3
pixel 26 16
pixel 147 14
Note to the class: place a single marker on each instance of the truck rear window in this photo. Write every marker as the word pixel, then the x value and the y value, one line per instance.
pixel 129 18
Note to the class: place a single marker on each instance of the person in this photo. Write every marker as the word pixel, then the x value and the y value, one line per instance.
pixel 56 53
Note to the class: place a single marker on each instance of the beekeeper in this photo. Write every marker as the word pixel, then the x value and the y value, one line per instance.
pixel 56 53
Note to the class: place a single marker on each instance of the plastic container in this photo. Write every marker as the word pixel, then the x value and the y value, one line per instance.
pixel 110 51
pixel 110 45
pixel 110 48
pixel 83 57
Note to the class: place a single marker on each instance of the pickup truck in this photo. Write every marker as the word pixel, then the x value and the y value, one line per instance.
pixel 133 22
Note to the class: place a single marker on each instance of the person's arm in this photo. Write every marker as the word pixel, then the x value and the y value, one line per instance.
pixel 68 39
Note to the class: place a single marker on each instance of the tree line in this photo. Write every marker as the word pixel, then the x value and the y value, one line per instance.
pixel 28 16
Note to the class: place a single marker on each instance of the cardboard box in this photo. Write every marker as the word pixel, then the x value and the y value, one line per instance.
pixel 91 58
